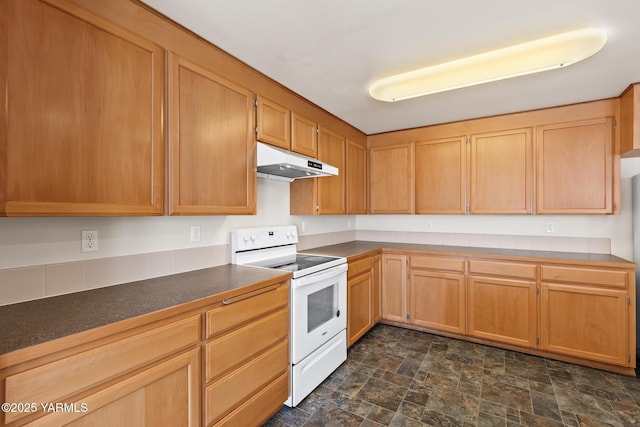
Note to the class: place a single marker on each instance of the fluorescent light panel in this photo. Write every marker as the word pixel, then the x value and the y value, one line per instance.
pixel 539 55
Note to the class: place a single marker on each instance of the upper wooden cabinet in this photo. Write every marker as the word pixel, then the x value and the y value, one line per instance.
pixel 575 167
pixel 356 178
pixel 391 172
pixel 323 195
pixel 441 176
pixel 212 150
pixel 304 136
pixel 81 116
pixel 630 121
pixel 273 123
pixel 500 172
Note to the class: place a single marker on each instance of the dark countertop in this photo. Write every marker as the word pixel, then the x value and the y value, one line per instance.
pixel 357 248
pixel 34 322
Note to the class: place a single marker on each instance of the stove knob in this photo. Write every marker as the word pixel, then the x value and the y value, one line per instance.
pixel 289 234
pixel 253 237
pixel 245 238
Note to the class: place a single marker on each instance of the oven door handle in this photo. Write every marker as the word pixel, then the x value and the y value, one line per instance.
pixel 319 276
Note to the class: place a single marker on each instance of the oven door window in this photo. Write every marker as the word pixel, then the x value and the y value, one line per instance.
pixel 322 306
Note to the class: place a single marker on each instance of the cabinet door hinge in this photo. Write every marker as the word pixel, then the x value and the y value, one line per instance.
pixel 256 130
pixel 468 140
pixel 629 357
pixel 537 340
pixel 537 290
pixel 615 123
pixel 408 316
pixel 628 299
pixel 467 208
pixel 255 102
pixel 317 130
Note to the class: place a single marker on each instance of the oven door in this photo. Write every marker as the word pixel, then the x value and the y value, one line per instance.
pixel 318 310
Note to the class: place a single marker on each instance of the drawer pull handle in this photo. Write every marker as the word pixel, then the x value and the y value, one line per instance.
pixel 232 300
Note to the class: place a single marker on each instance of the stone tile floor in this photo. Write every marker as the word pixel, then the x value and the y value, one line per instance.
pixel 398 377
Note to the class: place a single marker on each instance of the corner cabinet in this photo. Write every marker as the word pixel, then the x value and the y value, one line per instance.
pixel 356 178
pixel 212 150
pixel 575 167
pixel 81 117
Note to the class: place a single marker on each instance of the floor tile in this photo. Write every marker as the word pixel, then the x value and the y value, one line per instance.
pixel 395 377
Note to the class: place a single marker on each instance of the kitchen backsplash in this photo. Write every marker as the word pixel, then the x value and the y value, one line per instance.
pixel 41 281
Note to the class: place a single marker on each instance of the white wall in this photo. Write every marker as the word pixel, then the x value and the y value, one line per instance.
pixel 35 241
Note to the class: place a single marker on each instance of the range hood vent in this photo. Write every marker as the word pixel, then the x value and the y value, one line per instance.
pixel 283 165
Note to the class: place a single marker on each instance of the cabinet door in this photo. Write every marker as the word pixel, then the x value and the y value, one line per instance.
pixel 394 287
pixel 273 123
pixel 437 300
pixel 502 310
pixel 575 162
pixel 83 115
pixel 212 150
pixel 166 394
pixel 356 173
pixel 376 271
pixel 585 322
pixel 331 189
pixel 304 136
pixel 500 172
pixel 359 313
pixel 440 176
pixel 391 179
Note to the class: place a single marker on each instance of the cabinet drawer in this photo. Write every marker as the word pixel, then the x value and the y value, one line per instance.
pixel 497 268
pixel 591 276
pixel 230 391
pixel 240 345
pixel 66 377
pixel 437 263
pixel 265 402
pixel 359 267
pixel 242 309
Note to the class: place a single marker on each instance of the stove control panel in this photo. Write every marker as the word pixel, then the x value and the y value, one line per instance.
pixel 245 239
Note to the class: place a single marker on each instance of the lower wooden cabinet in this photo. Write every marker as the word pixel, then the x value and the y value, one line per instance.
pixel 394 287
pixel 247 352
pixel 363 296
pixel 158 373
pixel 436 293
pixel 585 319
pixel 573 311
pixel 150 378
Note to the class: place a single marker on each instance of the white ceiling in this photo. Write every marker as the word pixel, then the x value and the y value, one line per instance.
pixel 330 51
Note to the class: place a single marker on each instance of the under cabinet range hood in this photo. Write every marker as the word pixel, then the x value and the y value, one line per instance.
pixel 283 165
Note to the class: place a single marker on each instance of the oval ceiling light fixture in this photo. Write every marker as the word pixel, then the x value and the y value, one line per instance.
pixel 543 54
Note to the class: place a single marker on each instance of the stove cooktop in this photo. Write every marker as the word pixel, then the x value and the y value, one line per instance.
pixel 295 262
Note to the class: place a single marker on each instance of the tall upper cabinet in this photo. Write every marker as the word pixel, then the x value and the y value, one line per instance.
pixel 212 150
pixel 391 175
pixel 575 167
pixel 81 117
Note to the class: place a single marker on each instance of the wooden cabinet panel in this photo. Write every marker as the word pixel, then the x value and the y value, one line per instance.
pixel 166 394
pixel 392 179
pixel 210 125
pixel 585 322
pixel 575 167
pixel 359 313
pixel 394 287
pixel 304 136
pixel 501 268
pixel 226 394
pixel 589 276
pixel 500 172
pixel 437 263
pixel 65 377
pixel 239 346
pixel 356 178
pixel 245 308
pixel 377 288
pixel 502 310
pixel 331 189
pixel 83 115
pixel 441 176
pixel 273 123
pixel 437 300
pixel 630 121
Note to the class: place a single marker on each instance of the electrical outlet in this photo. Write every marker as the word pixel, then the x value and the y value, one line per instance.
pixel 429 225
pixel 550 227
pixel 195 233
pixel 89 241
